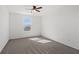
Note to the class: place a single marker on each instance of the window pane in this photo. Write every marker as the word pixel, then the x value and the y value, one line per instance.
pixel 27 24
pixel 27 28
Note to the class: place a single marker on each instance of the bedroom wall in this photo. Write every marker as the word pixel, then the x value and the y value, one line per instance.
pixel 4 26
pixel 62 25
pixel 17 26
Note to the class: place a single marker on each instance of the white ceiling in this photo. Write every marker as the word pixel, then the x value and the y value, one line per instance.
pixel 46 9
pixel 24 9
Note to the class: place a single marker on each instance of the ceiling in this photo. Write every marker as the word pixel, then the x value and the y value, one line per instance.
pixel 45 10
pixel 24 9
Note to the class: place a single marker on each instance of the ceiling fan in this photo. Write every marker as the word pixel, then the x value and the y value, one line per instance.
pixel 35 8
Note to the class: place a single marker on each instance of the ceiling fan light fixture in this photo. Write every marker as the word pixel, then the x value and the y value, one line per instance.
pixel 35 8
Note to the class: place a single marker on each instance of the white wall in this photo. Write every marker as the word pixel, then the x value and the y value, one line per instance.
pixel 4 26
pixel 62 25
pixel 17 26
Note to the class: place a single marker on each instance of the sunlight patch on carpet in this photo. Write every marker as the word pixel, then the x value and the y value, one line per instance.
pixel 44 41
pixel 40 40
pixel 35 39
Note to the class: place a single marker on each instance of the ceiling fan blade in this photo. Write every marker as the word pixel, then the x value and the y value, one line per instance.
pixel 34 7
pixel 39 8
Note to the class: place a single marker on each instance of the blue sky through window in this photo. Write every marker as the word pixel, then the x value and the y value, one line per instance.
pixel 27 21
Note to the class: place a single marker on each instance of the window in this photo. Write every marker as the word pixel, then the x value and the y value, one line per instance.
pixel 27 24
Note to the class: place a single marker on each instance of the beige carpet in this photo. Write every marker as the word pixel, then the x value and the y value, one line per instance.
pixel 37 45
